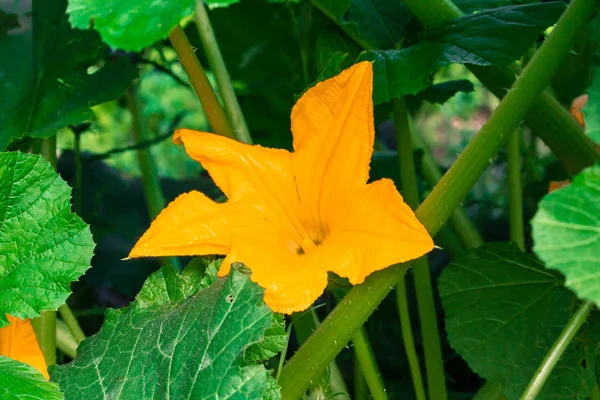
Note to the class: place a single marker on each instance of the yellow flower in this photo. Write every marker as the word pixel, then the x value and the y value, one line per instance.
pixel 292 216
pixel 18 341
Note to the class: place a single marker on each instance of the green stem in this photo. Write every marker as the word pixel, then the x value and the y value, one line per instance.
pixel 368 365
pixel 547 117
pixel 490 391
pixel 71 323
pixel 409 342
pixel 64 340
pixel 218 67
pixel 360 302
pixel 595 395
pixel 305 324
pixel 459 220
pixel 210 103
pixel 515 190
pixel 361 391
pixel 434 363
pixel 558 348
pixel 153 193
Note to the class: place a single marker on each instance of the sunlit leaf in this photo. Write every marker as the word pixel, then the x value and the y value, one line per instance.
pixel 43 246
pixel 47 82
pixel 19 381
pixel 504 311
pixel 187 348
pixel 566 233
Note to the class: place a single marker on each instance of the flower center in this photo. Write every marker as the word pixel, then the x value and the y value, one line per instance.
pixel 307 245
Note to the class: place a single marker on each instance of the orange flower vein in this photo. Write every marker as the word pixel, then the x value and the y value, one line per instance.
pixel 293 216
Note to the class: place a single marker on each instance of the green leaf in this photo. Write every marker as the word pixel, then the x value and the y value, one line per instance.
pixel 45 84
pixel 274 341
pixel 129 25
pixel 491 37
pixel 504 311
pixel 43 246
pixel 186 349
pixel 566 233
pixel 378 23
pixel 440 93
pixel 470 6
pixel 592 110
pixel 21 381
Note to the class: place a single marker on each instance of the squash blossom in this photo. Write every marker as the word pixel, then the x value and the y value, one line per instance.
pixel 293 216
pixel 18 341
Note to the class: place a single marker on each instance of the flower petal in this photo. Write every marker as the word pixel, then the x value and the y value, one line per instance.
pixel 192 224
pixel 333 132
pixel 373 228
pixel 19 342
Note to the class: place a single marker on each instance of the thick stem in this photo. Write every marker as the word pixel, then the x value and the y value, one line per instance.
pixel 305 324
pixel 434 363
pixel 210 103
pixel 557 350
pixel 65 342
pixel 218 67
pixel 547 117
pixel 515 190
pixel 360 302
pixel 71 323
pixel 409 341
pixel 368 365
pixel 155 200
pixel 361 391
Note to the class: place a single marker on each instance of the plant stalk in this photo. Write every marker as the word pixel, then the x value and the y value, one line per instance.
pixel 210 103
pixel 490 391
pixel 558 348
pixel 78 172
pixel 434 363
pixel 360 302
pixel 409 341
pixel 361 391
pixel 515 190
pixel 218 67
pixel 547 117
pixel 65 341
pixel 368 365
pixel 71 323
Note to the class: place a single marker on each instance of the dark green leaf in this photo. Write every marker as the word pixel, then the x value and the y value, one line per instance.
pixel 20 381
pixel 43 246
pixel 470 6
pixel 45 84
pixel 186 349
pixel 274 341
pixel 440 93
pixel 504 311
pixel 129 25
pixel 330 42
pixel 566 233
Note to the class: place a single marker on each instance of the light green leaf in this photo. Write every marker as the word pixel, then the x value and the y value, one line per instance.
pixel 504 311
pixel 566 233
pixel 45 84
pixel 43 246
pixel 129 25
pixel 491 37
pixel 187 349
pixel 21 381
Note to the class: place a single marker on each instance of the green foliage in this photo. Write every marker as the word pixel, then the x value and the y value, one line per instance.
pixel 176 347
pixel 504 311
pixel 43 246
pixel 566 232
pixel 129 25
pixel 46 84
pixel 20 381
pixel 491 37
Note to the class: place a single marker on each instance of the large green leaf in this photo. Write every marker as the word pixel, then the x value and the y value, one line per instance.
pixel 380 23
pixel 43 246
pixel 504 311
pixel 190 348
pixel 566 233
pixel 129 25
pixel 592 109
pixel 20 381
pixel 491 37
pixel 45 83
